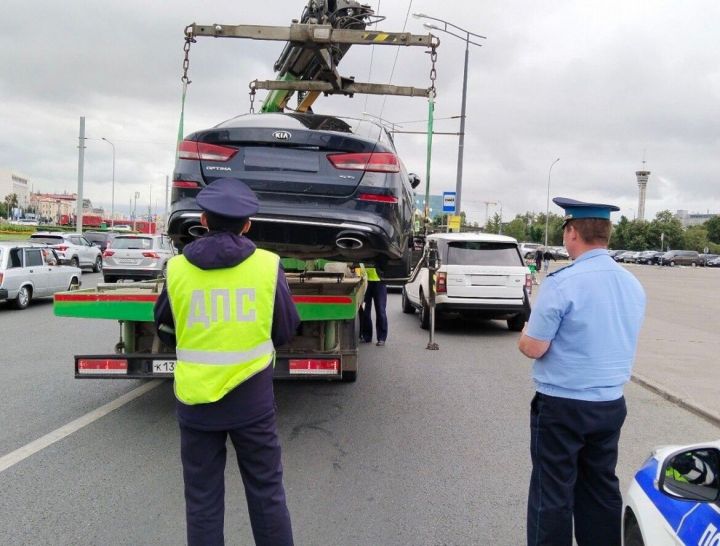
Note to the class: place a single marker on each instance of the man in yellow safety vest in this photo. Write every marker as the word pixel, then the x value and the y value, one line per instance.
pixel 226 305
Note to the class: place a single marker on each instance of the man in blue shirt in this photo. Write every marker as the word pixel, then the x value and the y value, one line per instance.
pixel 583 334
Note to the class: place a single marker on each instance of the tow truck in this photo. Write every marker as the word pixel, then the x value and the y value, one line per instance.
pixel 328 296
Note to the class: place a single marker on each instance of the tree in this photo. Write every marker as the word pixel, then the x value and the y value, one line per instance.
pixel 493 224
pixel 696 238
pixel 665 223
pixel 517 228
pixel 713 229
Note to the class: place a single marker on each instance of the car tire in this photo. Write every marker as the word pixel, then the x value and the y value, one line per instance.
pixel 74 262
pixel 517 323
pixel 424 313
pixel 97 266
pixel 396 269
pixel 74 284
pixel 407 307
pixel 23 298
pixel 672 263
pixel 109 278
pixel 632 534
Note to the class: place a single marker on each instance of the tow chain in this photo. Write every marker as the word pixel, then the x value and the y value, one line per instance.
pixel 252 96
pixel 189 39
pixel 433 70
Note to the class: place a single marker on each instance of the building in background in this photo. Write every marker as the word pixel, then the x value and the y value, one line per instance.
pixel 642 180
pixel 12 182
pixel 694 218
pixel 50 207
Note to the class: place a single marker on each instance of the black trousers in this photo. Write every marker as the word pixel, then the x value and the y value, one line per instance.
pixel 376 292
pixel 574 449
pixel 258 454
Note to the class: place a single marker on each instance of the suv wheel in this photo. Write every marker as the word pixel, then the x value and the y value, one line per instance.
pixel 517 323
pixel 23 298
pixel 97 267
pixel 75 262
pixel 672 263
pixel 407 307
pixel 633 535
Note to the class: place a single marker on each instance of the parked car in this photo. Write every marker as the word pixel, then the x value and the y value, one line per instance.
pixel 614 254
pixel 680 257
pixel 715 262
pixel 100 238
pixel 527 250
pixel 705 258
pixel 72 248
pixel 649 257
pixel 621 256
pixel 674 498
pixel 328 187
pixel 137 257
pixel 630 257
pixel 481 275
pixel 560 252
pixel 30 271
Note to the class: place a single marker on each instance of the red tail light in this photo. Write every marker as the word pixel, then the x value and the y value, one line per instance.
pixel 201 151
pixel 185 184
pixel 377 198
pixel 1 279
pixel 108 253
pixel 381 162
pixel 528 283
pixel 441 283
pixel 151 255
pixel 62 248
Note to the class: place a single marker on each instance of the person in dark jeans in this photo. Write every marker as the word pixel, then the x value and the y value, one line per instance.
pixel 376 293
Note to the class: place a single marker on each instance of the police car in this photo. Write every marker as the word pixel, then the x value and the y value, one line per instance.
pixel 675 498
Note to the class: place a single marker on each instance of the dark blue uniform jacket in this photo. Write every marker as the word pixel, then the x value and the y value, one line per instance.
pixel 253 398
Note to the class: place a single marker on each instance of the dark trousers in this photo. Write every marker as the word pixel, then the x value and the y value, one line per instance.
pixel 574 449
pixel 258 454
pixel 377 293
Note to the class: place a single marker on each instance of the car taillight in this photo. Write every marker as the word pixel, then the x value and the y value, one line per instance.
pixel 61 248
pixel 108 253
pixel 441 283
pixel 528 282
pixel 151 255
pixel 380 162
pixel 201 151
pixel 185 184
pixel 1 279
pixel 377 198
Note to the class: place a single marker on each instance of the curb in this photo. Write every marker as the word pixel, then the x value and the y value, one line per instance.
pixel 689 405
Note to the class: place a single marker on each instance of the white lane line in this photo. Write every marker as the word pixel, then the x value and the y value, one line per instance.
pixel 56 435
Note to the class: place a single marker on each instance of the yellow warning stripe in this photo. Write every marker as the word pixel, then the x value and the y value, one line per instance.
pixel 380 36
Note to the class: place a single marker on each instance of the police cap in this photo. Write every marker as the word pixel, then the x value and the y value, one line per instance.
pixel 228 197
pixel 575 210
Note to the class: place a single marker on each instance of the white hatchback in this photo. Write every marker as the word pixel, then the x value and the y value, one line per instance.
pixel 137 257
pixel 480 275
pixel 675 498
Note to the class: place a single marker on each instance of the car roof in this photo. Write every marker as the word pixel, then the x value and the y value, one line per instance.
pixel 25 243
pixel 481 237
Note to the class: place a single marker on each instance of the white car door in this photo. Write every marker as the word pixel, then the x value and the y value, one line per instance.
pixel 37 272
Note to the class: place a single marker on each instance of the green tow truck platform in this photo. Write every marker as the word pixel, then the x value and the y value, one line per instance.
pixel 325 345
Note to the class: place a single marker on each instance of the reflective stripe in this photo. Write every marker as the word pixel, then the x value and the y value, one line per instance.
pixel 225 358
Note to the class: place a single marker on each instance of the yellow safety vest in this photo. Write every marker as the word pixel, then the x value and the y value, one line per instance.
pixel 371 272
pixel 223 323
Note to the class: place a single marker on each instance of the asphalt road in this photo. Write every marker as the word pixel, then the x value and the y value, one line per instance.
pixel 427 448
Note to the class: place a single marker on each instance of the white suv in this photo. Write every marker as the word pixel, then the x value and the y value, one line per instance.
pixel 480 275
pixel 71 248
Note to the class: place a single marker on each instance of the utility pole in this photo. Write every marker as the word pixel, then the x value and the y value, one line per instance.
pixel 81 168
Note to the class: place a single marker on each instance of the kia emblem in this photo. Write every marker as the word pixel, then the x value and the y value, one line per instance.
pixel 282 135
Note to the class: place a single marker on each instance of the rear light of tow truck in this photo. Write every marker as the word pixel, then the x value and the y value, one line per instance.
pixel 314 366
pixel 102 366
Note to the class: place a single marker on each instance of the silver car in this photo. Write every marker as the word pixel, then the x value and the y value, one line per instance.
pixel 71 248
pixel 137 257
pixel 30 271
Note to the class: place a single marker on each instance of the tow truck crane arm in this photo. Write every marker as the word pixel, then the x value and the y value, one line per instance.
pixel 314 48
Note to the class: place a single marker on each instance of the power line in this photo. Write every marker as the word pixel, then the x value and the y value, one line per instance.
pixel 372 55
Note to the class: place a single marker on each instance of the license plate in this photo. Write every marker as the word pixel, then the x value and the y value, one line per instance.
pixel 163 366
pixel 126 261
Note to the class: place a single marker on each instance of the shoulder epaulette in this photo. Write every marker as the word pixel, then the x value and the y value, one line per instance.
pixel 561 269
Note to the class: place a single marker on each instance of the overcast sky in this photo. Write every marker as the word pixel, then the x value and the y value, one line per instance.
pixel 598 83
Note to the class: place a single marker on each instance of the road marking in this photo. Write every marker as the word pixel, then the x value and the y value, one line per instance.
pixel 56 435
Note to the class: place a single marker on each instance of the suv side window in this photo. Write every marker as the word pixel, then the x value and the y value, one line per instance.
pixel 33 256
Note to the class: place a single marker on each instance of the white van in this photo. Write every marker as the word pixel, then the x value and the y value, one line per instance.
pixel 481 275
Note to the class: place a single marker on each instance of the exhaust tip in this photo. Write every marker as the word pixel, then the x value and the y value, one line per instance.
pixel 197 230
pixel 349 243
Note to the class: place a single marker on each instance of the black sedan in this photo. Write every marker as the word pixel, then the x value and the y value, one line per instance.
pixel 328 187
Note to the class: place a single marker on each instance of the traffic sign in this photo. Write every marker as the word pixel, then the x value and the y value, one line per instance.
pixel 449 201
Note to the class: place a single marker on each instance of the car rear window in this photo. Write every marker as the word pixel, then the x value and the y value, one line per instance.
pixel 128 243
pixel 49 239
pixel 483 253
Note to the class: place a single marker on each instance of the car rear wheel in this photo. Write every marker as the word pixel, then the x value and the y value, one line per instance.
pixel 75 262
pixel 633 535
pixel 74 284
pixel 23 298
pixel 672 263
pixel 97 267
pixel 407 307
pixel 517 323
pixel 109 278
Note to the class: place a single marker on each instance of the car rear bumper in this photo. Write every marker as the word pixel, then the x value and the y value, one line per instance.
pixel 486 308
pixel 131 273
pixel 3 294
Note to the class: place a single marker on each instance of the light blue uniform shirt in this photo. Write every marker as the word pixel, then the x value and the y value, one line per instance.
pixel 591 312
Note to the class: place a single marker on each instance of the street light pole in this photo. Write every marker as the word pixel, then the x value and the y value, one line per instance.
pixel 112 198
pixel 547 208
pixel 137 194
pixel 461 141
